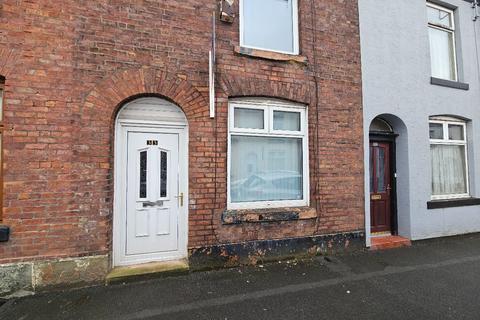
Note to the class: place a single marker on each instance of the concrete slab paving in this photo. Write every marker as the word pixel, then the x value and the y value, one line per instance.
pixel 436 279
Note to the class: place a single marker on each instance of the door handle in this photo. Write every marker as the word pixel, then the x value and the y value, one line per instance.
pixel 389 189
pixel 181 199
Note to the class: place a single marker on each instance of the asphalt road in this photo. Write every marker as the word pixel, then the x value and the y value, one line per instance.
pixel 437 279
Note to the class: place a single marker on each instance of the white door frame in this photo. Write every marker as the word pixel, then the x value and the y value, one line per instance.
pixel 122 127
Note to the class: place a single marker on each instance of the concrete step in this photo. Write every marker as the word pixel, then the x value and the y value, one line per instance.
pixel 147 271
pixel 389 242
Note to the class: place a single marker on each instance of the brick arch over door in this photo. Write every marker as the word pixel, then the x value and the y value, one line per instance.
pixel 93 150
pixel 109 95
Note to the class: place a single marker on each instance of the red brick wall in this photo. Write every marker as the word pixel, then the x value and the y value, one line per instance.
pixel 70 67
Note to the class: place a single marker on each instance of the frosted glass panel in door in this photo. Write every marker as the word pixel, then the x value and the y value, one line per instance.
pixel 380 169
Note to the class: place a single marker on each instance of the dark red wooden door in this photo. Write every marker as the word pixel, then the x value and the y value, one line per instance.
pixel 380 187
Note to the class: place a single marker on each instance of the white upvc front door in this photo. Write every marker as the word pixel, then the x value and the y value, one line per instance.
pixel 150 196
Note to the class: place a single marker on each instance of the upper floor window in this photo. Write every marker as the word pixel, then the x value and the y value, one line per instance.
pixel 269 25
pixel 268 154
pixel 441 30
pixel 448 147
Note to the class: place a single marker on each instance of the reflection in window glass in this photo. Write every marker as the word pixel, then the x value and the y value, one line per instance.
pixel 249 118
pixel 266 168
pixel 455 132
pixel 439 17
pixel 287 121
pixel 268 24
pixel 436 131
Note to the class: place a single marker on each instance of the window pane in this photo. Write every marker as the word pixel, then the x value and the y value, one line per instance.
pixel 449 171
pixel 266 168
pixel 439 17
pixel 268 24
pixel 455 132
pixel 163 174
pixel 380 170
pixel 379 125
pixel 288 121
pixel 436 131
pixel 441 54
pixel 143 174
pixel 249 118
pixel 372 155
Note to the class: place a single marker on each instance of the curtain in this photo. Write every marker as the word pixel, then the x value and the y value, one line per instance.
pixel 441 54
pixel 266 169
pixel 449 173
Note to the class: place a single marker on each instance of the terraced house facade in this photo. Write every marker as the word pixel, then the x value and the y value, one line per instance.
pixel 421 100
pixel 207 133
pixel 139 136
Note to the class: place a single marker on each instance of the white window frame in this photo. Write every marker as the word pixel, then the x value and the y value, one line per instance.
pixel 269 106
pixel 449 30
pixel 248 130
pixel 296 46
pixel 445 122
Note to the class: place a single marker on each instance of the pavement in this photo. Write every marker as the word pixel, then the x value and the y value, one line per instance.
pixel 434 279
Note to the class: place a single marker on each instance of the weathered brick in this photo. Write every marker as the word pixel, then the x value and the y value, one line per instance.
pixel 69 68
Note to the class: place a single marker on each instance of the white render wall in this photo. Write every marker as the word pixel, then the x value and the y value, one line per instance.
pixel 396 81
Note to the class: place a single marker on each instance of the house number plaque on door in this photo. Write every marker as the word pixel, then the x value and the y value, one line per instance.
pixel 376 197
pixel 152 142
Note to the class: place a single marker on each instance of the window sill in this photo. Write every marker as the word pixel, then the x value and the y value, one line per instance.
pixel 269 55
pixel 449 83
pixel 230 217
pixel 451 203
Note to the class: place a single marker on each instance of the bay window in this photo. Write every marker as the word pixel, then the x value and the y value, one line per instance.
pixel 268 154
pixel 441 31
pixel 448 147
pixel 269 25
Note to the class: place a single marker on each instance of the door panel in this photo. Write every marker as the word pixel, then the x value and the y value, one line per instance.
pixel 152 189
pixel 380 187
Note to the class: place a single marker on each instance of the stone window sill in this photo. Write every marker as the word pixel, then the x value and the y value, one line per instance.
pixel 268 215
pixel 449 83
pixel 269 55
pixel 452 203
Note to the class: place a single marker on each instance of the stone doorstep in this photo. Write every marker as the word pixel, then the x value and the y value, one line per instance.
pixel 147 271
pixel 389 242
